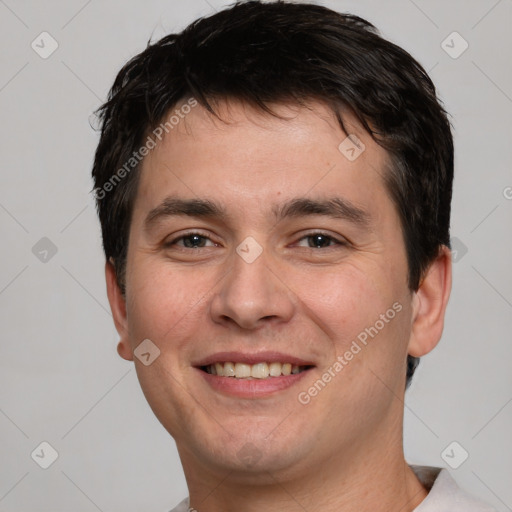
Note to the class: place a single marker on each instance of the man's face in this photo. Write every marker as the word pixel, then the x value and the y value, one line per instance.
pixel 266 283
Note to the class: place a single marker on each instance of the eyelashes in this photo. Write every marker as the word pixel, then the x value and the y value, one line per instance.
pixel 195 240
pixel 319 235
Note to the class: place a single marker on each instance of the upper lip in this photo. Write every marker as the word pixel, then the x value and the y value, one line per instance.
pixel 252 358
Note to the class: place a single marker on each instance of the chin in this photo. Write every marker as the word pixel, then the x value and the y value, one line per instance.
pixel 252 454
pixel 255 464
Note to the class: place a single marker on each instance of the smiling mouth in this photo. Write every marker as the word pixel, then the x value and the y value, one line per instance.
pixel 253 371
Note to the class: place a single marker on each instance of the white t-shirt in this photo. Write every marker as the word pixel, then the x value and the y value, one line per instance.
pixel 444 494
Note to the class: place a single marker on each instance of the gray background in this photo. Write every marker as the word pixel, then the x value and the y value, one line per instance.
pixel 61 380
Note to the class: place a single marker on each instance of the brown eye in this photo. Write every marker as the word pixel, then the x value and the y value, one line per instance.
pixel 321 240
pixel 193 241
pixel 190 241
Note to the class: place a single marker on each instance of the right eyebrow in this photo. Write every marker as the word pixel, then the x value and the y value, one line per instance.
pixel 172 206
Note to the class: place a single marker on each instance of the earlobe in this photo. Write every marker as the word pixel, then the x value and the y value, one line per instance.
pixel 124 350
pixel 429 305
pixel 118 308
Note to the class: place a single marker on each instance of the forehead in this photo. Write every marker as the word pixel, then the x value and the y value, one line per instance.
pixel 250 160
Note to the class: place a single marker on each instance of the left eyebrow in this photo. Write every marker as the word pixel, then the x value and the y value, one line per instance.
pixel 335 207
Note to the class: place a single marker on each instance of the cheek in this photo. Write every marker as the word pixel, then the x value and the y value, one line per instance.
pixel 343 299
pixel 366 323
pixel 163 302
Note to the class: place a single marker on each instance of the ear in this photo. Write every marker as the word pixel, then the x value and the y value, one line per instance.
pixel 429 305
pixel 118 308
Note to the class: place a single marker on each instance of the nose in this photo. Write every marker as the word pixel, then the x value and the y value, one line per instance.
pixel 252 294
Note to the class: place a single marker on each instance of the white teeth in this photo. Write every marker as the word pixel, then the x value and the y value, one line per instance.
pixel 255 371
pixel 229 370
pixel 260 371
pixel 242 370
pixel 274 369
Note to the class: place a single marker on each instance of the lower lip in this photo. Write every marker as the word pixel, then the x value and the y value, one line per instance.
pixel 252 388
